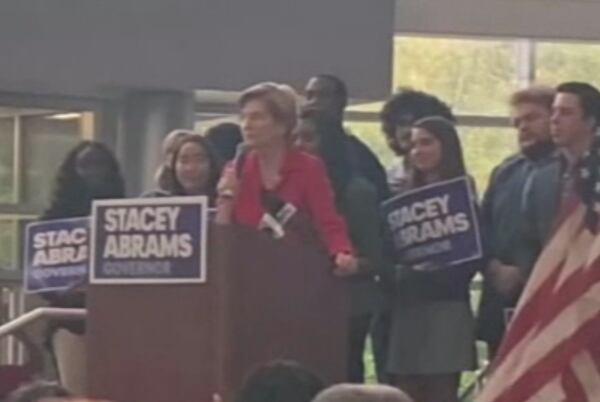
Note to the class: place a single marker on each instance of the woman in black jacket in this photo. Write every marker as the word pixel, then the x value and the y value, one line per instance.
pixel 89 172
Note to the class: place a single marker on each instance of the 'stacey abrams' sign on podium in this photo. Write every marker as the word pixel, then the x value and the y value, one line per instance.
pixel 149 241
pixel 56 254
pixel 436 223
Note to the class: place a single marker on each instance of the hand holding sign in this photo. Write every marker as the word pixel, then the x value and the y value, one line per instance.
pixel 56 255
pixel 435 224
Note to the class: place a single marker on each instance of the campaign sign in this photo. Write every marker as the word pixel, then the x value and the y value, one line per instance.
pixel 56 254
pixel 149 241
pixel 435 224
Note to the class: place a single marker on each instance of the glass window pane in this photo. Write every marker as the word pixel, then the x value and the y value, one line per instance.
pixel 46 141
pixel 7 159
pixel 8 238
pixel 473 76
pixel 484 148
pixel 558 62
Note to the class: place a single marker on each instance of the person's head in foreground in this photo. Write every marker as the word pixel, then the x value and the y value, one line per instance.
pixel 362 393
pixel 280 381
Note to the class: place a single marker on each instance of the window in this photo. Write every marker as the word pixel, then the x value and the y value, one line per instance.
pixel 7 160
pixel 370 133
pixel 46 140
pixel 558 62
pixel 473 76
pixel 33 143
pixel 8 243
pixel 483 149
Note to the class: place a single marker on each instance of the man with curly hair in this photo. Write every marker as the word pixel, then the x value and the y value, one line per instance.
pixel 397 116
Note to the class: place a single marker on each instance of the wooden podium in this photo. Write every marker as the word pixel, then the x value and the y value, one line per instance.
pixel 264 299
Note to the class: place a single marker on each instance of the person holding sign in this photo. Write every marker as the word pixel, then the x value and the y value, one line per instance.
pixel 272 184
pixel 196 169
pixel 357 201
pixel 433 335
pixel 89 172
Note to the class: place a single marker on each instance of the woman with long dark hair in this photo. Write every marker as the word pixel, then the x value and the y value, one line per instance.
pixel 89 172
pixel 433 335
pixel 357 201
pixel 195 169
pixel 164 176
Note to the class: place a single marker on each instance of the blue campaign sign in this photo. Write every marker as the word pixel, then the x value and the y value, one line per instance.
pixel 435 224
pixel 149 241
pixel 56 255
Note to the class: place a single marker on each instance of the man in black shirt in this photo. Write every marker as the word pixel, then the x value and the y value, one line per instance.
pixel 329 94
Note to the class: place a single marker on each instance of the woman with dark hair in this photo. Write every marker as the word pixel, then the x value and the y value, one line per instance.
pixel 433 335
pixel 436 153
pixel 357 201
pixel 89 172
pixel 164 176
pixel 280 381
pixel 196 169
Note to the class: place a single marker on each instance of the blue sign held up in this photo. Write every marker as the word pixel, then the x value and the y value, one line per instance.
pixel 149 241
pixel 56 255
pixel 435 224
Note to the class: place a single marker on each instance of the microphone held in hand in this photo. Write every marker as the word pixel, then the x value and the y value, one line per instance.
pixel 241 151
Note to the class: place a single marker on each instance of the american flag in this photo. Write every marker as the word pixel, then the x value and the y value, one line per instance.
pixel 551 352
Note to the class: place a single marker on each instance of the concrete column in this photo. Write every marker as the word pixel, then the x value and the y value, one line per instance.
pixel 146 117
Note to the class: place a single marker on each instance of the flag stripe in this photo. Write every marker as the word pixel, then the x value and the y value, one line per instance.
pixel 548 300
pixel 540 372
pixel 554 304
pixel 587 374
pixel 551 392
pixel 551 351
pixel 572 387
pixel 539 358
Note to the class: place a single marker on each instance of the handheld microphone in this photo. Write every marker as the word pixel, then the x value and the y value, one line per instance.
pixel 241 151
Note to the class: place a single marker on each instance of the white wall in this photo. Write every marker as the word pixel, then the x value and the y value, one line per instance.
pixel 555 19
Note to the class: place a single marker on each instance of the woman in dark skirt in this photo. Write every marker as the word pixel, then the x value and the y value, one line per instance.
pixel 433 337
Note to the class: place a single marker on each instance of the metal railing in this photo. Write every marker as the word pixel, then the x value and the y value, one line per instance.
pixel 41 312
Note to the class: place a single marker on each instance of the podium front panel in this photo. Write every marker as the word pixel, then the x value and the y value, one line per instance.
pixel 264 299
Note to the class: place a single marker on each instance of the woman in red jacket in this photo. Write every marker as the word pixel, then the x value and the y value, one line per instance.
pixel 274 177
